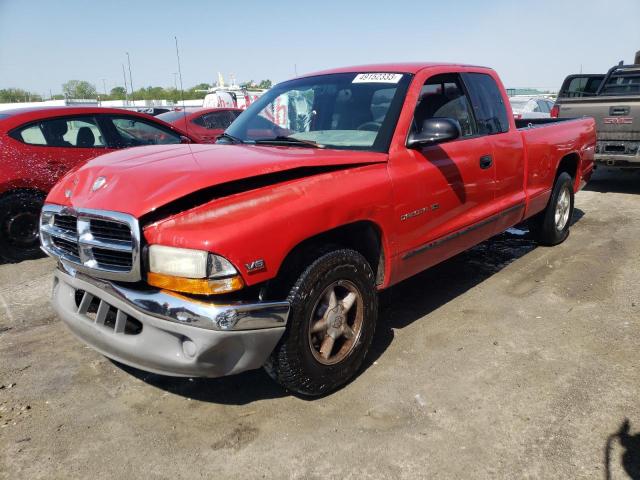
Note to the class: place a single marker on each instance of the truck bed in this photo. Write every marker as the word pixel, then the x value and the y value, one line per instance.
pixel 546 140
pixel 525 123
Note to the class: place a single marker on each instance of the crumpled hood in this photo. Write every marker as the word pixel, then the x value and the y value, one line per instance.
pixel 139 180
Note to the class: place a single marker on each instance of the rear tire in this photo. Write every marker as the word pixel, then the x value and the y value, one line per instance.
pixel 334 309
pixel 551 226
pixel 19 223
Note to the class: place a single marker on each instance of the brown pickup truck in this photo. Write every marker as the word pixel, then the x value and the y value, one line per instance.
pixel 614 101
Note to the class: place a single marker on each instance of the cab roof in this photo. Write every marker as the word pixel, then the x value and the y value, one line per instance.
pixel 17 116
pixel 408 67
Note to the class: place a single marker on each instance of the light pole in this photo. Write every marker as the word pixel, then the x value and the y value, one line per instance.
pixel 104 86
pixel 124 77
pixel 130 78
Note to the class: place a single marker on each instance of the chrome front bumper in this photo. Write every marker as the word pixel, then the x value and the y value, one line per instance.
pixel 162 333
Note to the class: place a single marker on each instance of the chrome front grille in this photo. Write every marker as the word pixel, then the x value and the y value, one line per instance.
pixel 66 222
pixel 110 230
pixel 100 243
pixel 67 247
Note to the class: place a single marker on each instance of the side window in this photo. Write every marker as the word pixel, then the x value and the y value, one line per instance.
pixel 544 106
pixel 443 96
pixel 31 134
pixel 80 132
pixel 487 102
pixel 133 131
pixel 536 107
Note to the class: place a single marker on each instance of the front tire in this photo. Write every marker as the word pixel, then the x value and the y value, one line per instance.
pixel 19 223
pixel 551 226
pixel 334 308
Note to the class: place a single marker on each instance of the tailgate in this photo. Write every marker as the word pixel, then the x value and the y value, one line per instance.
pixel 617 118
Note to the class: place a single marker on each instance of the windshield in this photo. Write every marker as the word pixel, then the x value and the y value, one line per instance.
pixel 356 111
pixel 627 83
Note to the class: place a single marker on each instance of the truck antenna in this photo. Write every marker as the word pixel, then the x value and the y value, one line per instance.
pixel 186 124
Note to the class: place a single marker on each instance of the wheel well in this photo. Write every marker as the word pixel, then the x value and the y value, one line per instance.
pixel 569 164
pixel 364 237
pixel 33 191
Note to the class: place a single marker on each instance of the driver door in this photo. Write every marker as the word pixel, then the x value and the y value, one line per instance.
pixel 444 192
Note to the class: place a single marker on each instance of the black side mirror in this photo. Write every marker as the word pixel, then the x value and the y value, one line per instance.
pixel 184 139
pixel 435 130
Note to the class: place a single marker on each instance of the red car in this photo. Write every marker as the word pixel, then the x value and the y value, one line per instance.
pixel 270 247
pixel 39 145
pixel 205 124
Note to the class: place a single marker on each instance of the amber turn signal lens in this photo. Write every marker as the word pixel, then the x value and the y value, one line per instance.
pixel 196 286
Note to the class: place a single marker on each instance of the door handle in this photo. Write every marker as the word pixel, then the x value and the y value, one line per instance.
pixel 486 161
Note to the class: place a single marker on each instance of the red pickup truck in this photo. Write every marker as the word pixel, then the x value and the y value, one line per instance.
pixel 269 247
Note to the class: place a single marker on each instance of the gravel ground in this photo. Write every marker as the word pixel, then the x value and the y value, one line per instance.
pixel 508 361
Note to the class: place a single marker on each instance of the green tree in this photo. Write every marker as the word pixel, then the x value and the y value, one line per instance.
pixel 172 94
pixel 265 84
pixel 201 86
pixel 118 93
pixel 79 89
pixel 13 95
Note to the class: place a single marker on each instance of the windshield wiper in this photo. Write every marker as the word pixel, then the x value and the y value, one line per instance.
pixel 231 138
pixel 289 140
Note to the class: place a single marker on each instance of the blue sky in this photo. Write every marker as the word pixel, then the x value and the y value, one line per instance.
pixel 530 43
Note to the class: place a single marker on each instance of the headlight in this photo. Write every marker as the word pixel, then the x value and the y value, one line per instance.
pixel 179 262
pixel 191 271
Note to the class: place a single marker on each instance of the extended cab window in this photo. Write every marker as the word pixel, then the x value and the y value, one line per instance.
pixel 443 96
pixel 80 132
pixel 132 132
pixel 488 106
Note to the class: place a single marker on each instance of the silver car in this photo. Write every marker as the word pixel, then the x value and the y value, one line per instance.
pixel 527 106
